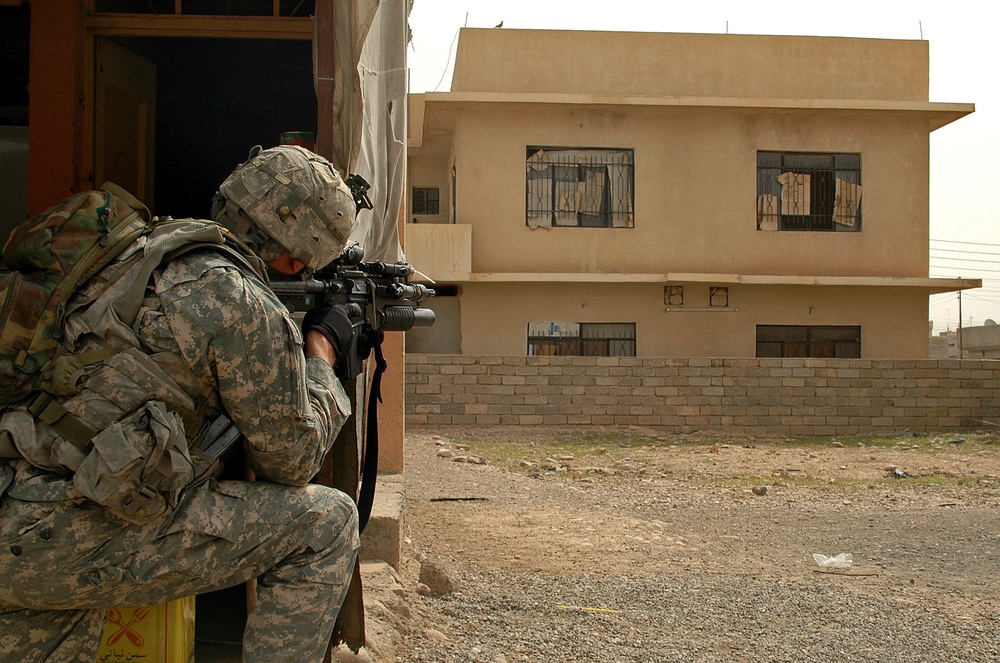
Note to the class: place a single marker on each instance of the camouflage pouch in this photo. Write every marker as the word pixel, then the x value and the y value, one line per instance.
pixel 138 466
pixel 6 477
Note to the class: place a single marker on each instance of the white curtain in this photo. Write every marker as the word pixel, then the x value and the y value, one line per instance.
pixel 795 193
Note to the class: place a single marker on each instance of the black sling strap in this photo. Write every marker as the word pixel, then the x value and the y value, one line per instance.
pixel 369 472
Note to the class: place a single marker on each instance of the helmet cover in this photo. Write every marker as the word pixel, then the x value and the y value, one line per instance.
pixel 294 196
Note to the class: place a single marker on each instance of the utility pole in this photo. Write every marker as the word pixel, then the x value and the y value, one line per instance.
pixel 960 351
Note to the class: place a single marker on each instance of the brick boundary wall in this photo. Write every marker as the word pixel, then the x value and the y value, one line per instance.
pixel 748 396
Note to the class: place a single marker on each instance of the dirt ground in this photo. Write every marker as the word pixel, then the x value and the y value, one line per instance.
pixel 917 513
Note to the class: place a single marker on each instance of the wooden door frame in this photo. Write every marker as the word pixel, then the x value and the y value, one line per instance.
pixel 54 109
pixel 209 27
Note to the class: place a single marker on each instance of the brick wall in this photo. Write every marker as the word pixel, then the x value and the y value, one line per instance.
pixel 751 396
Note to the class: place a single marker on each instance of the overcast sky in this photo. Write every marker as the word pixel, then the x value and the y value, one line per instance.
pixel 964 56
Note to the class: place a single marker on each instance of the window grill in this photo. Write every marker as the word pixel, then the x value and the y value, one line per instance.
pixel 808 191
pixel 840 342
pixel 426 200
pixel 583 187
pixel 581 339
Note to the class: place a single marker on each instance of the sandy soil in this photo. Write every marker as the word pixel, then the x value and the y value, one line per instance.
pixel 918 513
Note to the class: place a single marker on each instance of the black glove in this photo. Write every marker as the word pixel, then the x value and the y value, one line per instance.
pixel 334 323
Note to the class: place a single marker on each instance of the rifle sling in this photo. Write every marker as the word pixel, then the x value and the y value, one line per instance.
pixel 350 625
pixel 369 473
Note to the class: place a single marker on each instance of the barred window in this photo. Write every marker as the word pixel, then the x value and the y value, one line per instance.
pixel 581 339
pixel 808 191
pixel 582 187
pixel 842 342
pixel 426 200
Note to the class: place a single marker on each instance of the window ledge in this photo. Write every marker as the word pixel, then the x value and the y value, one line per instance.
pixel 712 309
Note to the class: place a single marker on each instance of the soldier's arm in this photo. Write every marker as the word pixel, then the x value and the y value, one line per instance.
pixel 289 407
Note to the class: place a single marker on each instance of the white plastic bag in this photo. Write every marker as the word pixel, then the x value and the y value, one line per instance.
pixel 841 561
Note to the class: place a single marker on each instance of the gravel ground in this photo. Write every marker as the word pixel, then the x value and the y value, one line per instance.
pixel 699 551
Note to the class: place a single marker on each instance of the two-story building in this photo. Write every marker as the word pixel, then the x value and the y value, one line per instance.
pixel 676 195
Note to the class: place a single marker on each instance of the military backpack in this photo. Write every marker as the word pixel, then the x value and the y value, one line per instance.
pixel 137 465
pixel 48 258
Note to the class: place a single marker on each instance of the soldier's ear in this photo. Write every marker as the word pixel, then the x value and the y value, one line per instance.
pixel 286 264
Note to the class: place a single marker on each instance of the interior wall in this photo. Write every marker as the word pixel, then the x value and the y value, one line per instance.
pixel 15 29
pixel 13 178
pixel 217 98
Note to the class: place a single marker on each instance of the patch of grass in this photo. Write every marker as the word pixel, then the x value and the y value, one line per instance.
pixel 530 452
pixel 748 481
pixel 910 441
pixel 851 483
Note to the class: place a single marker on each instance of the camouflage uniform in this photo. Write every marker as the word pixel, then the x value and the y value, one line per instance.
pixel 227 342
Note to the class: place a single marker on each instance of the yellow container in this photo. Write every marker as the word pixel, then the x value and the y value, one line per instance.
pixel 161 634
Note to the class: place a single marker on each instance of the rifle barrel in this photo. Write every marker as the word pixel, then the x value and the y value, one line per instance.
pixel 307 287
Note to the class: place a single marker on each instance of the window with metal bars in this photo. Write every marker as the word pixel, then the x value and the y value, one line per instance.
pixel 579 187
pixel 840 342
pixel 426 200
pixel 797 191
pixel 581 339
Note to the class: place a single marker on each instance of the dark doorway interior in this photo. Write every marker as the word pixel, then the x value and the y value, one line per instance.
pixel 217 98
pixel 14 34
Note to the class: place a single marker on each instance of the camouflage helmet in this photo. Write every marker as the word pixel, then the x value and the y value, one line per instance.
pixel 295 198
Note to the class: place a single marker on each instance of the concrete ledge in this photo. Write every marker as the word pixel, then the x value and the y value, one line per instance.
pixel 382 538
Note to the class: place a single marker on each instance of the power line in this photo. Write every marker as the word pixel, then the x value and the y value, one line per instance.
pixel 988 271
pixel 979 260
pixel 978 253
pixel 955 241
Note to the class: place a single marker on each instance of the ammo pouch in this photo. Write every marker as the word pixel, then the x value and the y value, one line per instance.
pixel 138 466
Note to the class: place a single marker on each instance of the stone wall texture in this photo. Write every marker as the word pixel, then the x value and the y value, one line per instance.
pixel 796 397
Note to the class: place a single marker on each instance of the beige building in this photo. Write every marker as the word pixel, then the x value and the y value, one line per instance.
pixel 676 195
pixel 982 342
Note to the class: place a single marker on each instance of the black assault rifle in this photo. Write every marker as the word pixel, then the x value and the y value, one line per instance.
pixel 378 296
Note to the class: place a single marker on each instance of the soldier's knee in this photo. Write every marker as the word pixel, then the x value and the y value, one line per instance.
pixel 336 518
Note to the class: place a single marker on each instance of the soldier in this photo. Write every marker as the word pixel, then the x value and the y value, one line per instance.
pixel 210 337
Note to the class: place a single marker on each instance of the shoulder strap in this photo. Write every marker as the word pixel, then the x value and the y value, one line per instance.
pixel 171 239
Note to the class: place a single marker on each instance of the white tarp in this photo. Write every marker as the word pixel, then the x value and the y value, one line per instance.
pixel 369 132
